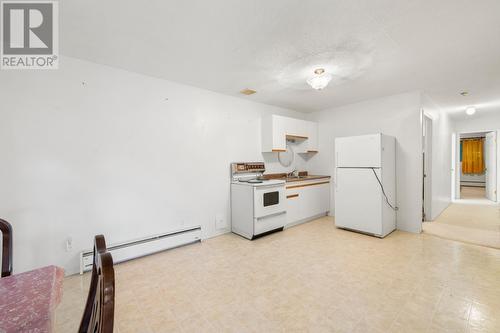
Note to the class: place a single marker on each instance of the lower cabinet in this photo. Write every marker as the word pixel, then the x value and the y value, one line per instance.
pixel 306 200
pixel 293 207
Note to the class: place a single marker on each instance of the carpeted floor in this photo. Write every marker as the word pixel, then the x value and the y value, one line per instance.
pixel 473 219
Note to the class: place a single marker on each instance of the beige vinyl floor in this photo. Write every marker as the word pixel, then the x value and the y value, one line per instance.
pixel 473 219
pixel 309 278
pixel 470 192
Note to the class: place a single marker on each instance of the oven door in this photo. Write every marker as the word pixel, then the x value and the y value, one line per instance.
pixel 269 200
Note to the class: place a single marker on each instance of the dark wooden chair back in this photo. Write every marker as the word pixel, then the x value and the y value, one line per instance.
pixel 6 230
pixel 98 315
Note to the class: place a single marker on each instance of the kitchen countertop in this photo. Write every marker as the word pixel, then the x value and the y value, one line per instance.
pixel 302 178
pixel 283 176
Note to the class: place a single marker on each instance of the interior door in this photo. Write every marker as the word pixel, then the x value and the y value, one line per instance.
pixel 490 159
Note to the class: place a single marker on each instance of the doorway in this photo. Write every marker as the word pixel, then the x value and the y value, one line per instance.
pixel 473 215
pixel 476 164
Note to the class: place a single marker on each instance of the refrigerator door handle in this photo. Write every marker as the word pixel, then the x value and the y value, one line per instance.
pixel 336 170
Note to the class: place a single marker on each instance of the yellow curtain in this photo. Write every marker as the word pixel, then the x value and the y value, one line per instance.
pixel 472 156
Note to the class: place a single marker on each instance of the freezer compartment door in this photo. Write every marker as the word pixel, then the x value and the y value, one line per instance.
pixel 358 200
pixel 359 151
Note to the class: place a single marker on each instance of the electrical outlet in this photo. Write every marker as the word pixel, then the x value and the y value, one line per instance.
pixel 69 244
pixel 220 221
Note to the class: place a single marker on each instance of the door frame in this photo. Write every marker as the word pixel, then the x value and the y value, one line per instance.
pixel 427 167
pixel 454 167
pixel 456 173
pixel 494 186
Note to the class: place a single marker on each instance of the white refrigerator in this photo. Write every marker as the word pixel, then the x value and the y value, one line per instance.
pixel 365 184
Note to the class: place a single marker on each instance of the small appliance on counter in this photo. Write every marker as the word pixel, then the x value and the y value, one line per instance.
pixel 365 184
pixel 257 204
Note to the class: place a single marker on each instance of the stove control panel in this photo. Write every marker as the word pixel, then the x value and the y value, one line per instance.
pixel 247 167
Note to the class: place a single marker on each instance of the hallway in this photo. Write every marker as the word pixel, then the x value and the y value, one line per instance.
pixel 472 219
pixel 472 193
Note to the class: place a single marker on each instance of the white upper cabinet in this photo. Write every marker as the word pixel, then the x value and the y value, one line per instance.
pixel 312 141
pixel 276 129
pixel 296 128
pixel 273 133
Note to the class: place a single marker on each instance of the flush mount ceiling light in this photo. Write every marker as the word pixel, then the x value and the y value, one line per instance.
pixel 320 79
pixel 470 110
pixel 247 92
pixel 346 60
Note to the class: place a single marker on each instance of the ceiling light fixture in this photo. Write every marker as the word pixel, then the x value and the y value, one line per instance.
pixel 470 110
pixel 247 92
pixel 320 79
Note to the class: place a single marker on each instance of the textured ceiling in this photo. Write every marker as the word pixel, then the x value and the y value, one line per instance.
pixel 373 47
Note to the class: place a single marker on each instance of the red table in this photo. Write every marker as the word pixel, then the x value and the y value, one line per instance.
pixel 28 300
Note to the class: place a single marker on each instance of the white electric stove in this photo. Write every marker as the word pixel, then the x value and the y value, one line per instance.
pixel 257 204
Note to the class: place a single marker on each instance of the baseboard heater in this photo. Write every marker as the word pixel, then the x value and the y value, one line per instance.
pixel 144 246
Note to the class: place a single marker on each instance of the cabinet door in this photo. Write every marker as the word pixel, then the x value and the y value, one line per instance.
pixel 312 142
pixel 279 133
pixel 321 198
pixel 315 200
pixel 291 126
pixel 303 128
pixel 293 204
pixel 308 201
pixel 297 127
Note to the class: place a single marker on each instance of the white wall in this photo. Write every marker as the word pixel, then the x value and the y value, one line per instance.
pixel 481 121
pixel 89 149
pixel 473 180
pixel 300 161
pixel 399 116
pixel 442 128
